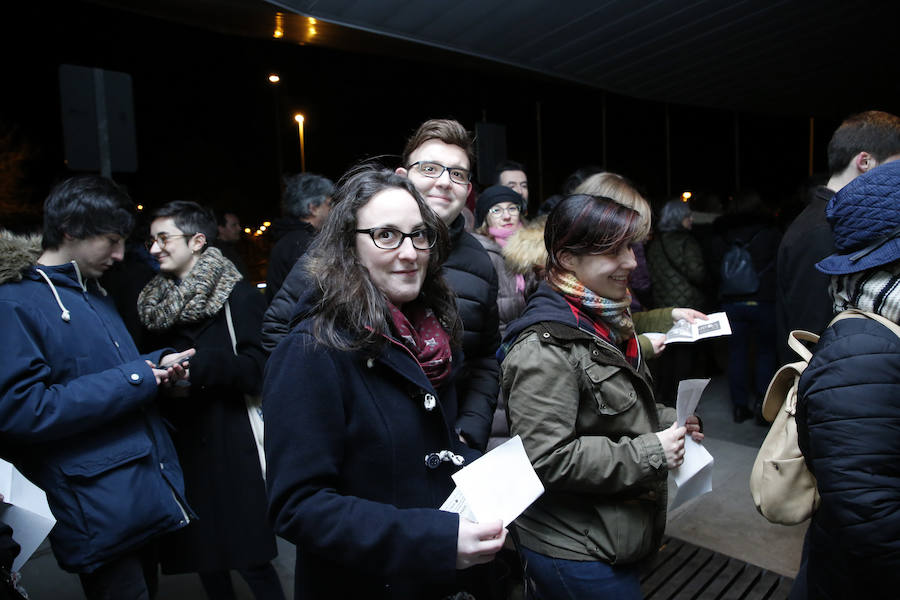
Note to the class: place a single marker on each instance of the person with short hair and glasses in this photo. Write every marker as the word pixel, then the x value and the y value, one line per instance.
pixel 199 299
pixel 361 404
pixel 438 160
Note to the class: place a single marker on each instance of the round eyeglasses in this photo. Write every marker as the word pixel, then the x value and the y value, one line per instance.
pixel 388 238
pixel 435 170
pixel 497 210
pixel 162 239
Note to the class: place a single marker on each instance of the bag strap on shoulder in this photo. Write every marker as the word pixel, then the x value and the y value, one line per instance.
pixel 796 339
pixel 852 313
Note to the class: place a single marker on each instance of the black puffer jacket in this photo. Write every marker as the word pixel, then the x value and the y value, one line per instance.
pixel 471 276
pixel 848 418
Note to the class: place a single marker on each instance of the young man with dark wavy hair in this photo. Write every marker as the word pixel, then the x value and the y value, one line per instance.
pixel 77 411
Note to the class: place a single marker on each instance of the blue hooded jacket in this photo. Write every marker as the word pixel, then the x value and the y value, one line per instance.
pixel 77 415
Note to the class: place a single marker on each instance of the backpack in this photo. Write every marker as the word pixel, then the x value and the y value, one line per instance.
pixel 738 275
pixel 783 489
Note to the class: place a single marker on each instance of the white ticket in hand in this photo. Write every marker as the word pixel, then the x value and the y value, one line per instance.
pixel 499 485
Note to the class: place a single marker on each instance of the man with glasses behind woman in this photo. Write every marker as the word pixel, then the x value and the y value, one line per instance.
pixel 438 161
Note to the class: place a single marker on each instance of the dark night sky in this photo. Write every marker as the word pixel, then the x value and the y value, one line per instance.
pixel 206 116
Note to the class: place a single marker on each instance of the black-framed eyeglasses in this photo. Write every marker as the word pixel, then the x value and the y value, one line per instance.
pixel 388 238
pixel 162 239
pixel 435 170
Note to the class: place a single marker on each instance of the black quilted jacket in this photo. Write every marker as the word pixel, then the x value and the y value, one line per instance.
pixel 677 270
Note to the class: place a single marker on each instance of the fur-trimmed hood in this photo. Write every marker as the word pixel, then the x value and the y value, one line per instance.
pixel 17 253
pixel 525 248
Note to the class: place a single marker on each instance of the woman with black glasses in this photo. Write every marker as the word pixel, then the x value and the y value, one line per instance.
pixel 199 300
pixel 360 400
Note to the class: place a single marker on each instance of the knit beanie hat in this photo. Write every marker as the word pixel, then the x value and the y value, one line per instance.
pixel 495 195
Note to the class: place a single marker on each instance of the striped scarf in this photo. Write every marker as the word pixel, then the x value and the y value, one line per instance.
pixel 876 290
pixel 608 319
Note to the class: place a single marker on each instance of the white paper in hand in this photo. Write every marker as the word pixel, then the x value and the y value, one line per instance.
pixel 26 511
pixel 499 485
pixel 694 476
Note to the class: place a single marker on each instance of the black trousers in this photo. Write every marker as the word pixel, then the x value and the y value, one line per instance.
pixel 261 579
pixel 134 576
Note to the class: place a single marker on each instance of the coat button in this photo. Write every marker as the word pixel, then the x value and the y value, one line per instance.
pixel 595 352
pixel 430 402
pixel 546 335
pixel 433 460
pixel 370 363
pixel 135 376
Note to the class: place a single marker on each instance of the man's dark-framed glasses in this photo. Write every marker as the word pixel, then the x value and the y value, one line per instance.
pixel 435 170
pixel 388 238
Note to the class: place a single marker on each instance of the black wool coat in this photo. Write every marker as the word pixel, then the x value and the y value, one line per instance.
pixel 848 421
pixel 347 437
pixel 212 436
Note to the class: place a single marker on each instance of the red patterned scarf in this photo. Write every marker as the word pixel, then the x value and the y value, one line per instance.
pixel 420 331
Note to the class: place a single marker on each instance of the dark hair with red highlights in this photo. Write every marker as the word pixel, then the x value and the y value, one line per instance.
pixel 583 224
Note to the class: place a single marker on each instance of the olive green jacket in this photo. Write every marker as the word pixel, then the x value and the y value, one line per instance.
pixel 587 419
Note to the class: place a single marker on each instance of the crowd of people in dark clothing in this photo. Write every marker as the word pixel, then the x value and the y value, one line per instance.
pixel 410 323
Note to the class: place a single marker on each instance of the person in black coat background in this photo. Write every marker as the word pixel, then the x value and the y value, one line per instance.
pixel 186 306
pixel 305 202
pixel 848 409
pixel 360 400
pixel 751 315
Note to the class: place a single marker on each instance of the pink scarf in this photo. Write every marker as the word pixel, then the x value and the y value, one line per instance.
pixel 501 235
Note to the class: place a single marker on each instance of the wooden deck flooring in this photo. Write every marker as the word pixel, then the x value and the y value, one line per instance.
pixel 682 571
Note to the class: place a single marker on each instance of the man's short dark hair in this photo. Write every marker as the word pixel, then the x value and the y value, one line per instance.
pixel 303 192
pixel 873 131
pixel 448 131
pixel 506 165
pixel 83 207
pixel 190 218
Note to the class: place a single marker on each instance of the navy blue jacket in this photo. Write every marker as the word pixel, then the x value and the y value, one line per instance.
pixel 347 436
pixel 77 418
pixel 848 420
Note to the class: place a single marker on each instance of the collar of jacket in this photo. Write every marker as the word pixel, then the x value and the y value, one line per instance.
pixel 560 334
pixel 456 229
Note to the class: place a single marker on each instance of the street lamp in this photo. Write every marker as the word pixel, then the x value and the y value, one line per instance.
pixel 299 118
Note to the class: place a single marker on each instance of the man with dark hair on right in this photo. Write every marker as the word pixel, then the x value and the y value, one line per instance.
pixel 861 143
pixel 77 401
pixel 512 175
